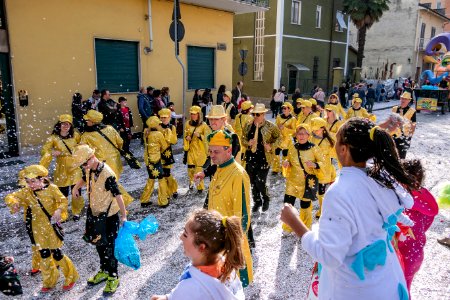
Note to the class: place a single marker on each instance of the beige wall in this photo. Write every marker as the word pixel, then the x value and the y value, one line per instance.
pixel 52 49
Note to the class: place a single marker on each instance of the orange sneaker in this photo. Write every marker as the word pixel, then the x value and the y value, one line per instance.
pixel 46 290
pixel 34 272
pixel 68 287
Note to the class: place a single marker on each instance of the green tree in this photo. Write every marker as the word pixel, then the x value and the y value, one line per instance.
pixel 364 13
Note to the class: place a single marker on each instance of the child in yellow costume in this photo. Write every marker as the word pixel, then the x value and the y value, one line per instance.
pixel 322 139
pixel 60 145
pixel 104 151
pixel 305 116
pixel 286 123
pixel 195 146
pixel 243 118
pixel 154 146
pixel 357 111
pixel 45 205
pixel 229 192
pixel 170 134
pixel 334 101
pixel 304 164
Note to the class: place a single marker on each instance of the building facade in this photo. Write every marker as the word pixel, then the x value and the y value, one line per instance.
pixel 295 43
pixel 54 48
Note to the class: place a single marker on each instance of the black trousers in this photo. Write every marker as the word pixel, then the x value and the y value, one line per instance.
pixel 126 140
pixel 291 200
pixel 108 262
pixel 258 179
pixel 402 143
pixel 66 190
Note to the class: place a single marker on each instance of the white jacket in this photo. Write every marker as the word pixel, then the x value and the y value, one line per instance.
pixel 353 213
pixel 196 285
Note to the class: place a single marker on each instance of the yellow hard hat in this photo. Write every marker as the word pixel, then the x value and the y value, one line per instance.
pixel 93 116
pixel 165 112
pixel 153 122
pixel 65 118
pixel 306 103
pixel 304 126
pixel 246 105
pixel 34 171
pixel 219 138
pixel 195 109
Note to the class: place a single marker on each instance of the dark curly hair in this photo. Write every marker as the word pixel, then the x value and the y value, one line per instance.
pixel 57 131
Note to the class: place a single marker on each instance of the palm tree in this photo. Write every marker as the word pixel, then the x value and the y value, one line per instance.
pixel 364 13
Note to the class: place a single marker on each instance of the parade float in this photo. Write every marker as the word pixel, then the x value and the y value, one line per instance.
pixel 435 92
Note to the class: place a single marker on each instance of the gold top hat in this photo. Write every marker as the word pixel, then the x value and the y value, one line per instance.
pixel 153 122
pixel 228 94
pixel 304 126
pixel 219 138
pixel 259 108
pixel 65 118
pixel 306 103
pixel 406 95
pixel 81 154
pixel 165 112
pixel 357 100
pixel 317 123
pixel 34 171
pixel 195 109
pixel 217 112
pixel 288 105
pixel 246 105
pixel 93 116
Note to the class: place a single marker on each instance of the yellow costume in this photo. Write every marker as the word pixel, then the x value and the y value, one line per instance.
pixel 154 145
pixel 65 176
pixel 170 135
pixel 229 194
pixel 196 149
pixel 242 120
pixel 360 112
pixel 287 129
pixel 40 229
pixel 295 175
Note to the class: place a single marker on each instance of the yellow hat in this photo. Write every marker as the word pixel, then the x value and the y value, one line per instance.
pixel 216 112
pixel 331 107
pixel 65 118
pixel 334 95
pixel 34 171
pixel 358 100
pixel 247 105
pixel 299 100
pixel 313 101
pixel 228 94
pixel 304 126
pixel 219 138
pixel 93 116
pixel 355 95
pixel 306 103
pixel 153 122
pixel 406 95
pixel 260 108
pixel 81 154
pixel 317 123
pixel 165 112
pixel 288 105
pixel 195 109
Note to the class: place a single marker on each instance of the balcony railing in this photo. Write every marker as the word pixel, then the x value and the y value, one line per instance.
pixel 235 6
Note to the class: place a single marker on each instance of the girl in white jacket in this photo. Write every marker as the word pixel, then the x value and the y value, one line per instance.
pixel 214 245
pixel 352 241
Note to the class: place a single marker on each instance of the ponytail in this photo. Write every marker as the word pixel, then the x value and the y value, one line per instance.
pixel 366 141
pixel 327 136
pixel 234 258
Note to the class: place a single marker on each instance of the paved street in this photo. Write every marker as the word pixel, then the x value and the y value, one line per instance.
pixel 282 269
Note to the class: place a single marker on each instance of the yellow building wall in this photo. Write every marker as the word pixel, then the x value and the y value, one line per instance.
pixel 52 50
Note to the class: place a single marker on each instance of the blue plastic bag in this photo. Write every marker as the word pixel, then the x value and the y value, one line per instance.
pixel 126 250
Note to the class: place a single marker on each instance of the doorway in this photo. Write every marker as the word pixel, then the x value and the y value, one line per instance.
pixel 292 81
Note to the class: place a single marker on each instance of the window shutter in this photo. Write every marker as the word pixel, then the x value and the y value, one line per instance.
pixel 201 67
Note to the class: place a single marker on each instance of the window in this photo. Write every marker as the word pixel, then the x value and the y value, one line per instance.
pixel 422 36
pixel 438 4
pixel 433 32
pixel 296 12
pixel 201 66
pixel 258 69
pixel 117 65
pixel 318 16
pixel 315 74
pixel 340 22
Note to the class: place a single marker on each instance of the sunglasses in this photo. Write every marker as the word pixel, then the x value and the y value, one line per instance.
pixel 256 114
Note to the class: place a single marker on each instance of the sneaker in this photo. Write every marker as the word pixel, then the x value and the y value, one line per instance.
pixel 256 207
pixel 175 195
pixel 68 287
pixel 444 241
pixel 46 289
pixel 98 278
pixel 199 191
pixel 111 286
pixel 34 272
pixel 265 206
pixel 76 218
pixel 145 204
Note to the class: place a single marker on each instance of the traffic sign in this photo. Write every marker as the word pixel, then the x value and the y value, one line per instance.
pixel 180 31
pixel 243 68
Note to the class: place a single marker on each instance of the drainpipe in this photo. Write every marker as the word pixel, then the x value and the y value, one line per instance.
pixel 346 47
pixel 150 28
pixel 177 56
pixel 331 47
pixel 278 44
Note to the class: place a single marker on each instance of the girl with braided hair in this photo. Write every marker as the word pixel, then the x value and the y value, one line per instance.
pixel 214 245
pixel 352 242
